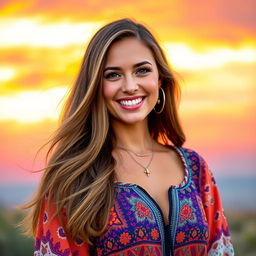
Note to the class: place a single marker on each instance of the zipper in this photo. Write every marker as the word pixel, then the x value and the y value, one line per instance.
pixel 145 195
pixel 173 212
pixel 171 221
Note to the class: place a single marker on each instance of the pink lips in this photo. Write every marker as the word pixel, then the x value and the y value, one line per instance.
pixel 132 107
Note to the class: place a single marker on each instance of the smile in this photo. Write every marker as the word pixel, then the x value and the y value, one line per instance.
pixel 131 102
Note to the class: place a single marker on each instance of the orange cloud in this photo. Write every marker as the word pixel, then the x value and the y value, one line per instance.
pixel 10 7
pixel 38 68
pixel 42 44
pixel 228 21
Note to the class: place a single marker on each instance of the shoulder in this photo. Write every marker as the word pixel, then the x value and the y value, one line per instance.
pixel 197 166
pixel 192 157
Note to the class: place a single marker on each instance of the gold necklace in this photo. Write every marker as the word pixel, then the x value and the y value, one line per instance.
pixel 137 154
pixel 146 169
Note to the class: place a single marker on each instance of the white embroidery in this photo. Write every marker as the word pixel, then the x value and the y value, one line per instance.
pixel 45 250
pixel 222 247
pixel 61 233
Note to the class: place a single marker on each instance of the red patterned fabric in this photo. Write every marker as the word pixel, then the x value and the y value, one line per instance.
pixel 197 225
pixel 51 238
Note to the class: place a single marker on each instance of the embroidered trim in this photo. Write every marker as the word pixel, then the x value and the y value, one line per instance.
pixel 221 247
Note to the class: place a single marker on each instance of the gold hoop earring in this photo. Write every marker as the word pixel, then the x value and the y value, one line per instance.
pixel 159 102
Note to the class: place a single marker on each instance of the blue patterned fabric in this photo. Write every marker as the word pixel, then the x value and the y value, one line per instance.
pixel 137 225
pixel 197 225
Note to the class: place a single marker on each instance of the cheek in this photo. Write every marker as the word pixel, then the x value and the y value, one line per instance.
pixel 152 84
pixel 108 90
pixel 153 88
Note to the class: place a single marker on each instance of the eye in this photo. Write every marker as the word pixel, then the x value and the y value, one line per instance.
pixel 142 71
pixel 112 75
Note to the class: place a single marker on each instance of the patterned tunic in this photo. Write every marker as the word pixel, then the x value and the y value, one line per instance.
pixel 197 225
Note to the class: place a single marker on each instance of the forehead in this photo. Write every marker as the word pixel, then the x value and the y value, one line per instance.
pixel 128 51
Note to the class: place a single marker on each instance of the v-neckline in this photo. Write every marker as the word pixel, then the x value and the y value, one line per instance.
pixel 167 228
pixel 184 183
pixel 185 170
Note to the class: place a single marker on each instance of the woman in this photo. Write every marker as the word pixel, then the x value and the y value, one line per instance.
pixel 118 181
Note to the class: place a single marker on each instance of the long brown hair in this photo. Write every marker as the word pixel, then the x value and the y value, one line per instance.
pixel 80 172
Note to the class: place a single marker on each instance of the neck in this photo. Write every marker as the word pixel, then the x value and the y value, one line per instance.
pixel 134 137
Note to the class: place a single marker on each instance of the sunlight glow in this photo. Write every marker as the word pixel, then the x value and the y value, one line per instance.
pixel 32 32
pixel 32 106
pixel 212 107
pixel 182 56
pixel 6 74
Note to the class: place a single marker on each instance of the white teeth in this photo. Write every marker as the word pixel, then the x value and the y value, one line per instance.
pixel 131 102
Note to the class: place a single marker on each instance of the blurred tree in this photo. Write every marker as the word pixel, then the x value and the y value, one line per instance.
pixel 12 242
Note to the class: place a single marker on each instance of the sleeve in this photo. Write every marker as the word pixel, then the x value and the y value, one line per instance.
pixel 219 236
pixel 51 238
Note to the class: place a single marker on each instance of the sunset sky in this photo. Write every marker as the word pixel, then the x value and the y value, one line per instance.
pixel 210 44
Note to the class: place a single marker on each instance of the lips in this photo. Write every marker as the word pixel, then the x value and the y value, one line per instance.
pixel 131 102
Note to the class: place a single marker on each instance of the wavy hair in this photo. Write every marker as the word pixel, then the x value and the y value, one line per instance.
pixel 79 174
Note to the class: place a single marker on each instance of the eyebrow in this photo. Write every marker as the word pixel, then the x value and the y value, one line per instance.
pixel 135 66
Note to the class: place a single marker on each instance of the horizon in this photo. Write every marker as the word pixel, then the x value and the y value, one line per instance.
pixel 211 46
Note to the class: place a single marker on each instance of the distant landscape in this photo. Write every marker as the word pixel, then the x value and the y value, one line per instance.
pixel 237 193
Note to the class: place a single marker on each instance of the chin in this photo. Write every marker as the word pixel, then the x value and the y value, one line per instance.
pixel 132 121
pixel 129 118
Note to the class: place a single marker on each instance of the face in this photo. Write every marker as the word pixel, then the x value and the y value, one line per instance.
pixel 130 82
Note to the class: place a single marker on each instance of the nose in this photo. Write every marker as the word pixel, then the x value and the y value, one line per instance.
pixel 130 85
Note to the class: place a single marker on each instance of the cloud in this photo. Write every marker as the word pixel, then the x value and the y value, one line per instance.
pixel 35 33
pixel 32 106
pixel 230 21
pixel 38 68
pixel 184 57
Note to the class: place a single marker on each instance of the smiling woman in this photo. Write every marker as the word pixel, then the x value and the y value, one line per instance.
pixel 131 81
pixel 118 181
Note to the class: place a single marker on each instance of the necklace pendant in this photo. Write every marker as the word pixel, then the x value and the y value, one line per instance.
pixel 147 171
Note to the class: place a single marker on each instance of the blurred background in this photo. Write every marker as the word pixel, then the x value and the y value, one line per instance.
pixel 210 44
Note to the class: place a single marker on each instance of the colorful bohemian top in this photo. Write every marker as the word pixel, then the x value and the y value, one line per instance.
pixel 197 225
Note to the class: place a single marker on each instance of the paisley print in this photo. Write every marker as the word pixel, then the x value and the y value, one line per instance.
pixel 136 226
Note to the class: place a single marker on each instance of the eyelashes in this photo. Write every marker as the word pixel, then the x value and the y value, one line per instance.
pixel 143 70
pixel 139 71
pixel 112 75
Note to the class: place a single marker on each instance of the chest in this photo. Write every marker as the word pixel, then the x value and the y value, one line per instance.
pixel 165 171
pixel 136 222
